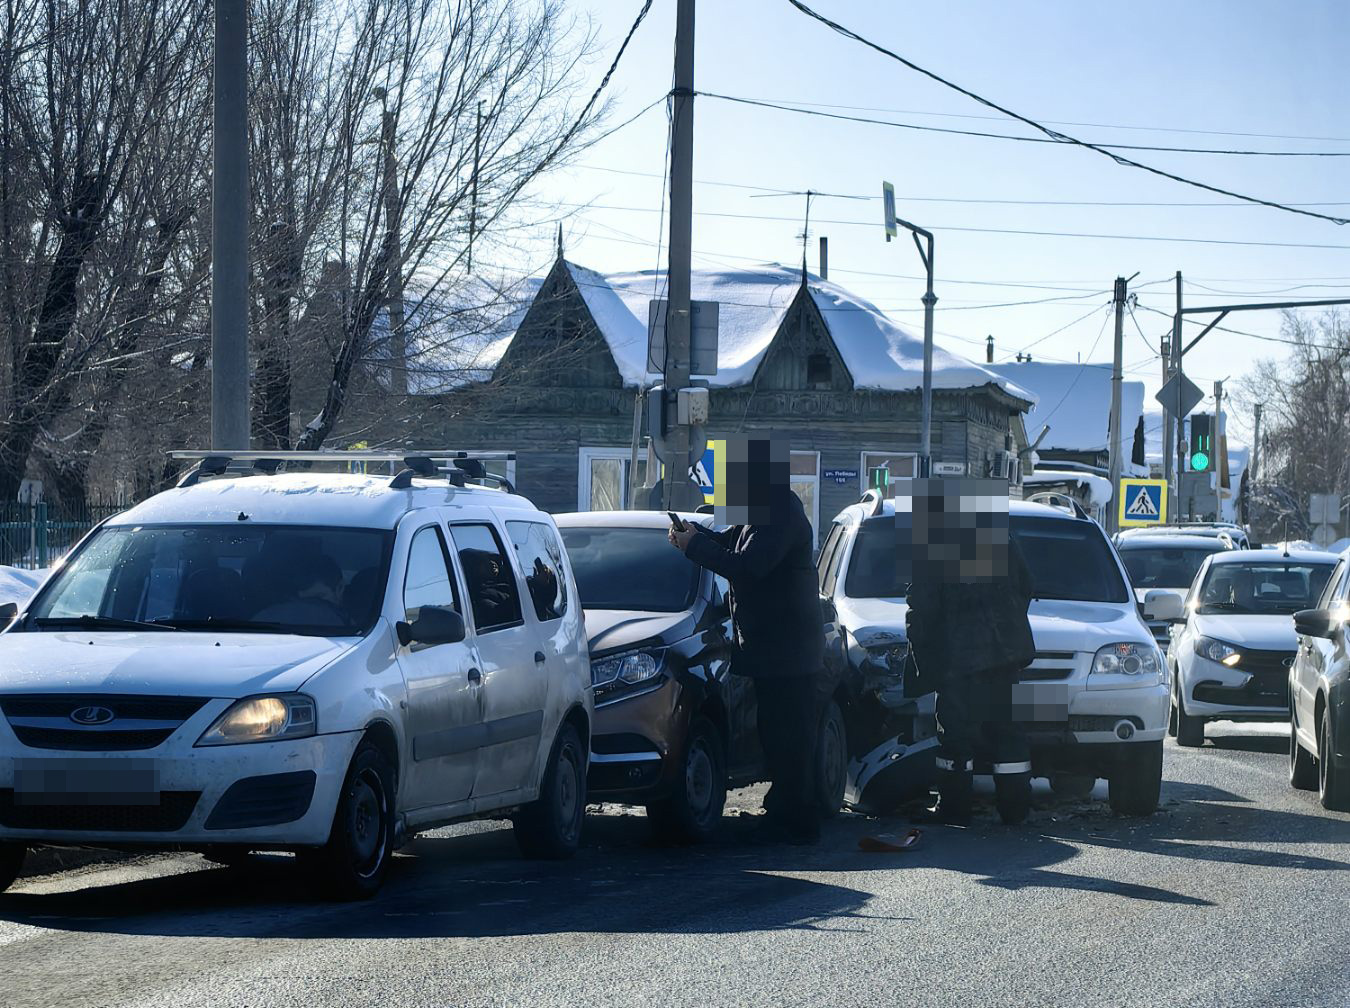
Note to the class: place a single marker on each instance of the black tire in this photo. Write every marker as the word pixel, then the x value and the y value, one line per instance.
pixel 1302 767
pixel 1072 786
pixel 549 828
pixel 1012 797
pixel 832 760
pixel 11 862
pixel 1190 730
pixel 1172 715
pixel 354 862
pixel 693 813
pixel 1333 776
pixel 1136 781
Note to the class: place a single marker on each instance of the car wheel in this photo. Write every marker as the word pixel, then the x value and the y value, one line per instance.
pixel 11 862
pixel 1190 730
pixel 1072 786
pixel 1172 715
pixel 1333 776
pixel 693 813
pixel 353 864
pixel 1136 781
pixel 832 762
pixel 549 828
pixel 1302 766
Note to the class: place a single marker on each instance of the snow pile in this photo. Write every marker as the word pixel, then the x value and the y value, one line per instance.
pixel 18 585
pixel 1074 401
pixel 878 353
pixel 1098 487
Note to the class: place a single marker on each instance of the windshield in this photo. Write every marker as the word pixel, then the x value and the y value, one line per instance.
pixel 630 568
pixel 247 578
pixel 1163 566
pixel 1265 588
pixel 1067 559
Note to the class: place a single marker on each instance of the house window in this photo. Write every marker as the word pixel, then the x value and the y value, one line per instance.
pixel 603 480
pixel 805 482
pixel 819 373
pixel 879 469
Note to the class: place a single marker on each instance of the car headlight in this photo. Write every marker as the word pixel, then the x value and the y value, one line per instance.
pixel 1127 659
pixel 263 719
pixel 1218 651
pixel 889 656
pixel 632 668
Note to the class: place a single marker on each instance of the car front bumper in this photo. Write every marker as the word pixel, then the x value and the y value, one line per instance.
pixel 1210 689
pixel 265 794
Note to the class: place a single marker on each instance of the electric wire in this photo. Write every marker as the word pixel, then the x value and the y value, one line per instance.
pixel 1053 134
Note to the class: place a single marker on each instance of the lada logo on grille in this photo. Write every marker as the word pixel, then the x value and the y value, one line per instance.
pixel 91 715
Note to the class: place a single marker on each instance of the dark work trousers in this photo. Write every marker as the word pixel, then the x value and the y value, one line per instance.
pixel 974 710
pixel 789 712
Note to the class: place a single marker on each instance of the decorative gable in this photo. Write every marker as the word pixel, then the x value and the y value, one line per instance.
pixel 803 356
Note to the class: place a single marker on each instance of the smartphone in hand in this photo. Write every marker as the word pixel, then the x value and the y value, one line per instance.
pixel 676 521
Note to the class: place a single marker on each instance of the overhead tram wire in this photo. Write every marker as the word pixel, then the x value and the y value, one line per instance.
pixel 1053 134
pixel 1014 137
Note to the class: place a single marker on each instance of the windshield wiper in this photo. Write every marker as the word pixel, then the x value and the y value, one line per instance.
pixel 1225 606
pixel 88 622
pixel 212 623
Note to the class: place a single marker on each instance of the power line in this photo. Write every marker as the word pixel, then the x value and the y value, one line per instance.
pixel 1054 135
pixel 1012 136
pixel 1047 336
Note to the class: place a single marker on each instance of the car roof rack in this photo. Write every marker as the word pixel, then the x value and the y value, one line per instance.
pixel 461 466
pixel 874 499
pixel 1062 501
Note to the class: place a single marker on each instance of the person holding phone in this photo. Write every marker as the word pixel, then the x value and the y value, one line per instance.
pixel 766 557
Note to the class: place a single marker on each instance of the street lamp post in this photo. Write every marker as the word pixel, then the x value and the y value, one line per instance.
pixel 923 241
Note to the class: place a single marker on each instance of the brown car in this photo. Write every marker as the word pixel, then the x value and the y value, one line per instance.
pixel 673 728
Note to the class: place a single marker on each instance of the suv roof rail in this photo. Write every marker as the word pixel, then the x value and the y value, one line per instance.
pixel 463 465
pixel 875 499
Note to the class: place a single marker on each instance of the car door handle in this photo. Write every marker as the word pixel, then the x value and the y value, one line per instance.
pixel 475 676
pixel 539 658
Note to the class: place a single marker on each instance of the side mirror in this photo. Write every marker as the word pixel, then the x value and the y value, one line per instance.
pixel 828 614
pixel 434 625
pixel 1314 623
pixel 1163 605
pixel 9 610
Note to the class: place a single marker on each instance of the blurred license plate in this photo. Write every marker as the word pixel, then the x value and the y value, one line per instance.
pixel 86 782
pixel 1040 702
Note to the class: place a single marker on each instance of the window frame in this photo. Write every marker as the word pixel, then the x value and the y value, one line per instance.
pixel 506 555
pixel 587 454
pixel 451 570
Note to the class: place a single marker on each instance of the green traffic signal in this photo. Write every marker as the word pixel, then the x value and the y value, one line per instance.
pixel 1199 462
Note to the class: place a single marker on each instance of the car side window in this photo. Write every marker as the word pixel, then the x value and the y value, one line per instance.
pixel 836 559
pixel 827 552
pixel 493 595
pixel 540 557
pixel 1335 589
pixel 428 581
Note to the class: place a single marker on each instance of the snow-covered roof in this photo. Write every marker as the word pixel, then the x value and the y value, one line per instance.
pixel 879 353
pixel 18 585
pixel 1074 400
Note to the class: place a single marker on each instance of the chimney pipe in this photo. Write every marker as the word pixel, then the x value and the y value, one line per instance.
pixel 824 258
pixel 989 349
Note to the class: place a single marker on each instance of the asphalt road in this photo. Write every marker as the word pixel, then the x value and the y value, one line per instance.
pixel 1236 893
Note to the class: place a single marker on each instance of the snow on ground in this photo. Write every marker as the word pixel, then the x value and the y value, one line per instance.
pixel 17 585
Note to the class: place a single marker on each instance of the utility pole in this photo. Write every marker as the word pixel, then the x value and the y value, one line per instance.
pixel 393 212
pixel 1177 449
pixel 678 489
pixel 229 230
pixel 1219 454
pixel 1117 365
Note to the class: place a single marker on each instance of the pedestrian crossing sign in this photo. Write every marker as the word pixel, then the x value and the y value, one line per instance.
pixel 705 473
pixel 1142 502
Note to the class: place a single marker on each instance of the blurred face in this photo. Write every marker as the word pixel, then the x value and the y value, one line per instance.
pixel 957 529
pixel 757 470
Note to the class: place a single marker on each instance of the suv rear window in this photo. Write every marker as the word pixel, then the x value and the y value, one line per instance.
pixel 1069 560
pixel 1165 567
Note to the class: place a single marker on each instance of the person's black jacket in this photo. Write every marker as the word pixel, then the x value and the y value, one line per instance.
pixel 971 628
pixel 775 601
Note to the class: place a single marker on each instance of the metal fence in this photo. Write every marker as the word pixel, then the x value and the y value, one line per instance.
pixel 35 536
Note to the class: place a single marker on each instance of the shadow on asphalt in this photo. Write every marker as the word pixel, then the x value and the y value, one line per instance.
pixel 1277 745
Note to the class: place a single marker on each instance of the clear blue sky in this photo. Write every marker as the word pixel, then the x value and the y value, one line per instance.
pixel 1159 68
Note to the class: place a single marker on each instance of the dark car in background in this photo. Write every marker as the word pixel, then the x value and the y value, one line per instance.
pixel 674 729
pixel 1164 564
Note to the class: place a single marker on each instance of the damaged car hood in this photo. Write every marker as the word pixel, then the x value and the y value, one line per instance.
pixel 610 630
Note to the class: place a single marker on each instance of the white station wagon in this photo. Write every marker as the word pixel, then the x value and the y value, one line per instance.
pixel 323 664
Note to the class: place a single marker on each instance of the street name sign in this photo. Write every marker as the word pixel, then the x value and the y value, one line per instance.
pixel 1142 502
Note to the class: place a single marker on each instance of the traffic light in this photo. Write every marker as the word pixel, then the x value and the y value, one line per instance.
pixel 1202 452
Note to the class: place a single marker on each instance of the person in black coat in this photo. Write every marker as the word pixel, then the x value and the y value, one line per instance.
pixel 968 628
pixel 779 636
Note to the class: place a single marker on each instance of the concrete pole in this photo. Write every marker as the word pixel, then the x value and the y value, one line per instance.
pixel 1117 365
pixel 926 422
pixel 1218 446
pixel 229 230
pixel 678 490
pixel 1176 450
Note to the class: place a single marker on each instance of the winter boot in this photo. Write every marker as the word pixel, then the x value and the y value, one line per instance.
pixel 1012 796
pixel 955 796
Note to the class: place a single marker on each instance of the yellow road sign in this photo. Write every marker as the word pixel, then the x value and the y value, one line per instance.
pixel 1141 502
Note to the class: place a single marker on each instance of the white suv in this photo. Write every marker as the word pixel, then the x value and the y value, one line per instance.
pixel 324 664
pixel 1095 697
